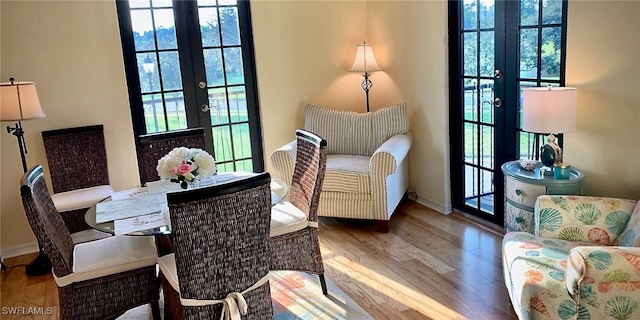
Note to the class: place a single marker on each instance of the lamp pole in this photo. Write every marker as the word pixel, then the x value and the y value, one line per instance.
pixel 366 86
pixel 149 66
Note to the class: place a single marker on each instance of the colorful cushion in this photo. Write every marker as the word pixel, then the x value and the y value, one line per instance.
pixel 630 236
pixel 578 218
pixel 534 271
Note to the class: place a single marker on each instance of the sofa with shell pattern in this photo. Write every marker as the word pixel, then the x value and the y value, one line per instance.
pixel 581 260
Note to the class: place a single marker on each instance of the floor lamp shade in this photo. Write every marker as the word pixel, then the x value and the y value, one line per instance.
pixel 364 61
pixel 19 101
pixel 549 110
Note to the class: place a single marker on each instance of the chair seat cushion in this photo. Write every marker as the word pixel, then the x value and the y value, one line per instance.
pixel 167 265
pixel 347 173
pixel 286 218
pixel 80 198
pixel 88 235
pixel 109 256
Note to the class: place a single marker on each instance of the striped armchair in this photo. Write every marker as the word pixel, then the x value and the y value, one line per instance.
pixel 367 171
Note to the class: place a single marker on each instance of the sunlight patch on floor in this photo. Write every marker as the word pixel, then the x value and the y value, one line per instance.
pixel 392 290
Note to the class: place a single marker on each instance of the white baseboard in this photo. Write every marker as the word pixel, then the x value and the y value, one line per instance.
pixel 19 250
pixel 433 205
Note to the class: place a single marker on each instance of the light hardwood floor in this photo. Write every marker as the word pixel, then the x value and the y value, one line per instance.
pixel 429 266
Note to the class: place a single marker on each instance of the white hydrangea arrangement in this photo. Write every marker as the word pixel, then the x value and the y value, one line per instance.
pixel 185 165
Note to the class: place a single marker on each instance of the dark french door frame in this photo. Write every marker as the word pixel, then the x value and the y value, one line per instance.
pixel 506 46
pixel 502 133
pixel 192 70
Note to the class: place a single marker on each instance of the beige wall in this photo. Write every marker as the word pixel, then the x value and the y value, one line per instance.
pixel 412 36
pixel 603 62
pixel 72 51
pixel 303 50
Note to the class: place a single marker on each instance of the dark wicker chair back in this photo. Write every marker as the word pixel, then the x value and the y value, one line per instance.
pixel 153 146
pixel 45 221
pixel 308 173
pixel 220 235
pixel 73 150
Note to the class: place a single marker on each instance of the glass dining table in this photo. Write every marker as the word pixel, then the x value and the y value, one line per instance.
pixel 157 221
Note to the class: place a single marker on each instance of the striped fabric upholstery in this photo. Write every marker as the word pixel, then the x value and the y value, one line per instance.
pixel 367 170
pixel 347 173
pixel 355 133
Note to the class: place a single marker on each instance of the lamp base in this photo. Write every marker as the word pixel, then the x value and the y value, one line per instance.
pixel 39 266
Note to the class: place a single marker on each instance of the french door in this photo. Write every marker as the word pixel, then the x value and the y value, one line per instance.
pixel 190 64
pixel 497 47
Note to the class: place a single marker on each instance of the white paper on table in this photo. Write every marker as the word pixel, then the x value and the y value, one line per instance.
pixel 129 193
pixel 130 207
pixel 150 221
pixel 162 187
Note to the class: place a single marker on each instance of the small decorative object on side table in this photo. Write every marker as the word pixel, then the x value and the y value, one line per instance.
pixel 522 188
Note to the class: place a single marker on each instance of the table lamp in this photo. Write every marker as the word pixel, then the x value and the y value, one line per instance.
pixel 365 62
pixel 550 110
pixel 19 101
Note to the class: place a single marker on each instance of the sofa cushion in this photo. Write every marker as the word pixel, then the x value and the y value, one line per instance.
pixel 347 173
pixel 630 236
pixel 356 133
pixel 593 219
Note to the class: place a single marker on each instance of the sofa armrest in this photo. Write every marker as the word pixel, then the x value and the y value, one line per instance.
pixel 595 220
pixel 283 160
pixel 386 158
pixel 597 273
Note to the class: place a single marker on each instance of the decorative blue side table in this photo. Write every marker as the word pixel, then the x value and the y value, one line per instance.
pixel 522 188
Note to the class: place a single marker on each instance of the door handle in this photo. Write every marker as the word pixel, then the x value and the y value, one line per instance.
pixel 497 102
pixel 204 107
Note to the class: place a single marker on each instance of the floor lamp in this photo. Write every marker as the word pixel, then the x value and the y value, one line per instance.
pixel 365 62
pixel 19 101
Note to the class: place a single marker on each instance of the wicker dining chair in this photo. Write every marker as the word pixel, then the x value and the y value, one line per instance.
pixel 153 146
pixel 77 160
pixel 220 235
pixel 294 243
pixel 99 279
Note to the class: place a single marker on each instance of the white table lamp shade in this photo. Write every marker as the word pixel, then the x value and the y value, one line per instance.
pixel 549 109
pixel 364 61
pixel 19 101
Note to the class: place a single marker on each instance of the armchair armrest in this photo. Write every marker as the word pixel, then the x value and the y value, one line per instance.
pixel 594 273
pixel 283 160
pixel 386 158
pixel 581 218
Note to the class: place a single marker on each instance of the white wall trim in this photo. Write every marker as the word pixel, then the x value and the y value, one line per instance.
pixel 434 205
pixel 19 250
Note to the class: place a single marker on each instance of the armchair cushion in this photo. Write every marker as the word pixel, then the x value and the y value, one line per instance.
pixel 347 173
pixel 630 236
pixel 356 133
pixel 579 218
